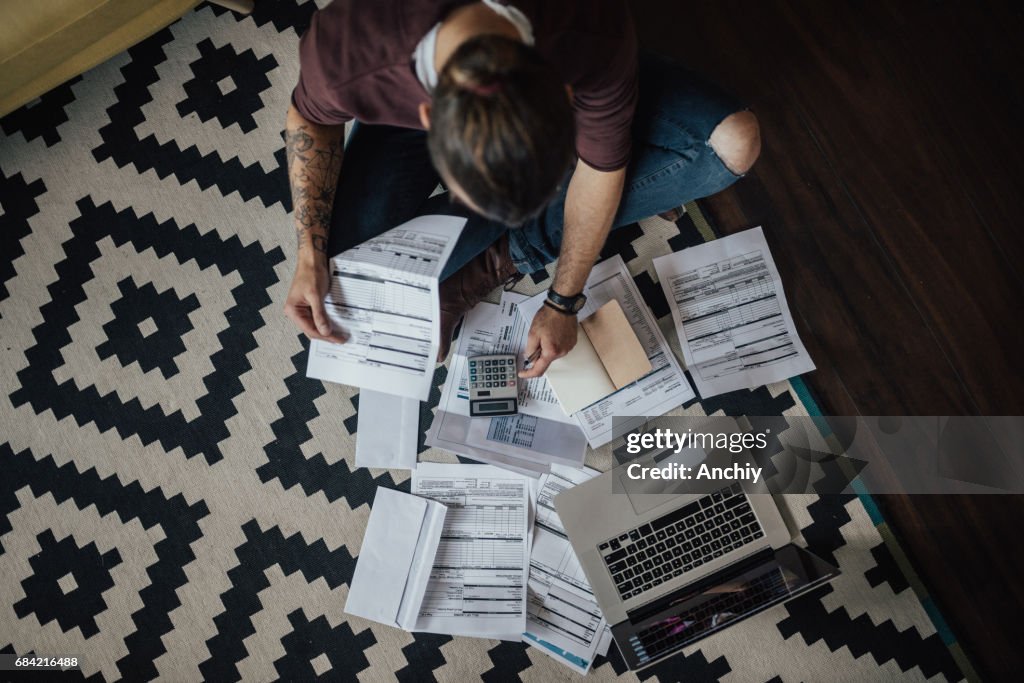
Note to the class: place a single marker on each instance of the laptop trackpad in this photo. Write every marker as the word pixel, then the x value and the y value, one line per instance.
pixel 647 494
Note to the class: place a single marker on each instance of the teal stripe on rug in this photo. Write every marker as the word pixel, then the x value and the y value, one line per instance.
pixel 938 620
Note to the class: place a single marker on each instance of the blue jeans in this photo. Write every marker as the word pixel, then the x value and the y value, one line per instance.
pixel 387 175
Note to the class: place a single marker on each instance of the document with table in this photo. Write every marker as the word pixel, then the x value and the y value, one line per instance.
pixel 563 619
pixel 658 392
pixel 731 314
pixel 528 442
pixel 477 586
pixel 384 296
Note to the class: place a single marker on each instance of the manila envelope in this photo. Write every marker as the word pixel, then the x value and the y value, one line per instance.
pixel 616 344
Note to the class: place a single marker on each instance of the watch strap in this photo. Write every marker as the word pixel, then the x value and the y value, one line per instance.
pixel 568 303
pixel 555 307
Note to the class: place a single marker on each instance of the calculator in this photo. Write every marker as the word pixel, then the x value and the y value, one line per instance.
pixel 493 389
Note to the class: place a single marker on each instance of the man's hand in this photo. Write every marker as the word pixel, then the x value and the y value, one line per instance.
pixel 305 303
pixel 554 334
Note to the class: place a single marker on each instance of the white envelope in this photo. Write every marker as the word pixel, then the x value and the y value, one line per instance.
pixel 395 559
pixel 393 446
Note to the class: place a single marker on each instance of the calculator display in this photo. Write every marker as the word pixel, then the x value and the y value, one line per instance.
pixel 494 406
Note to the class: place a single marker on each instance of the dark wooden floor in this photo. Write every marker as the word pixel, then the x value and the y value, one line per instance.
pixel 890 190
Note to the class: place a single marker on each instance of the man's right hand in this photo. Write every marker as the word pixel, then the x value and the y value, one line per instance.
pixel 305 303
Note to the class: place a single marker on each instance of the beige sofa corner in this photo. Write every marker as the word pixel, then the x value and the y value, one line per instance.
pixel 45 42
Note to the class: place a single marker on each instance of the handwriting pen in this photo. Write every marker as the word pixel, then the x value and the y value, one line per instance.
pixel 528 363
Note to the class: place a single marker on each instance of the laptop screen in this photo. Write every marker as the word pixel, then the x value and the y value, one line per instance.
pixel 680 618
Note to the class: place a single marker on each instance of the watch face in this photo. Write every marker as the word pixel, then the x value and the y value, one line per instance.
pixel 578 305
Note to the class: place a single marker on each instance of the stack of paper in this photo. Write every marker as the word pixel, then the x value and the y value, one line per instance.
pixel 529 442
pixel 479 551
pixel 563 618
pixel 453 558
pixel 384 296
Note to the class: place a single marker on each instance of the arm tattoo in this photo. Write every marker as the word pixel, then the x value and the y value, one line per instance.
pixel 297 143
pixel 319 243
pixel 313 169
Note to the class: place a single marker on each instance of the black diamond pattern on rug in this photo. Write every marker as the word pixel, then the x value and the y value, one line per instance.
pixel 883 642
pixel 122 145
pixel 262 550
pixel 68 583
pixel 226 85
pixel 286 461
pixel 315 650
pixel 155 346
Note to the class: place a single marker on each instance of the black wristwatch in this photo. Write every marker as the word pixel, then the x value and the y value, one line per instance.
pixel 570 305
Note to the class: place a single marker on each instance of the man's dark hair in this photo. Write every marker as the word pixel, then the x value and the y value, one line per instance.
pixel 501 127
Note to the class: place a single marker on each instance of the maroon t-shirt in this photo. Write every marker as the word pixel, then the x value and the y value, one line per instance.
pixel 356 63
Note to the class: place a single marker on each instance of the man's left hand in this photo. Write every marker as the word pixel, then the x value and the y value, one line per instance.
pixel 554 334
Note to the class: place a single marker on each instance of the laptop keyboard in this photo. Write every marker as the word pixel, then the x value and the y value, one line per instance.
pixel 683 539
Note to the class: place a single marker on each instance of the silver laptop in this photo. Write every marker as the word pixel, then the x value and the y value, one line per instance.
pixel 668 570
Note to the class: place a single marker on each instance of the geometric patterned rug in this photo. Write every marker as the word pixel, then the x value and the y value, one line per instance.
pixel 179 501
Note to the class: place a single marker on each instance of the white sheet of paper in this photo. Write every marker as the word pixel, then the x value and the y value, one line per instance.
pixel 606 641
pixel 731 314
pixel 395 559
pixel 387 430
pixel 477 586
pixel 528 442
pixel 657 393
pixel 384 296
pixel 563 619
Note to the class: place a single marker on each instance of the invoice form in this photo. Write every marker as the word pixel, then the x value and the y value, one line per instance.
pixel 384 296
pixel 563 619
pixel 731 314
pixel 663 389
pixel 477 585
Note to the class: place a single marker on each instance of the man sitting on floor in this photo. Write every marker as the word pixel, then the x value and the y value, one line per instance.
pixel 538 117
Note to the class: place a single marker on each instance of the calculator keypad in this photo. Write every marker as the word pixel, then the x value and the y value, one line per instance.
pixel 494 373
